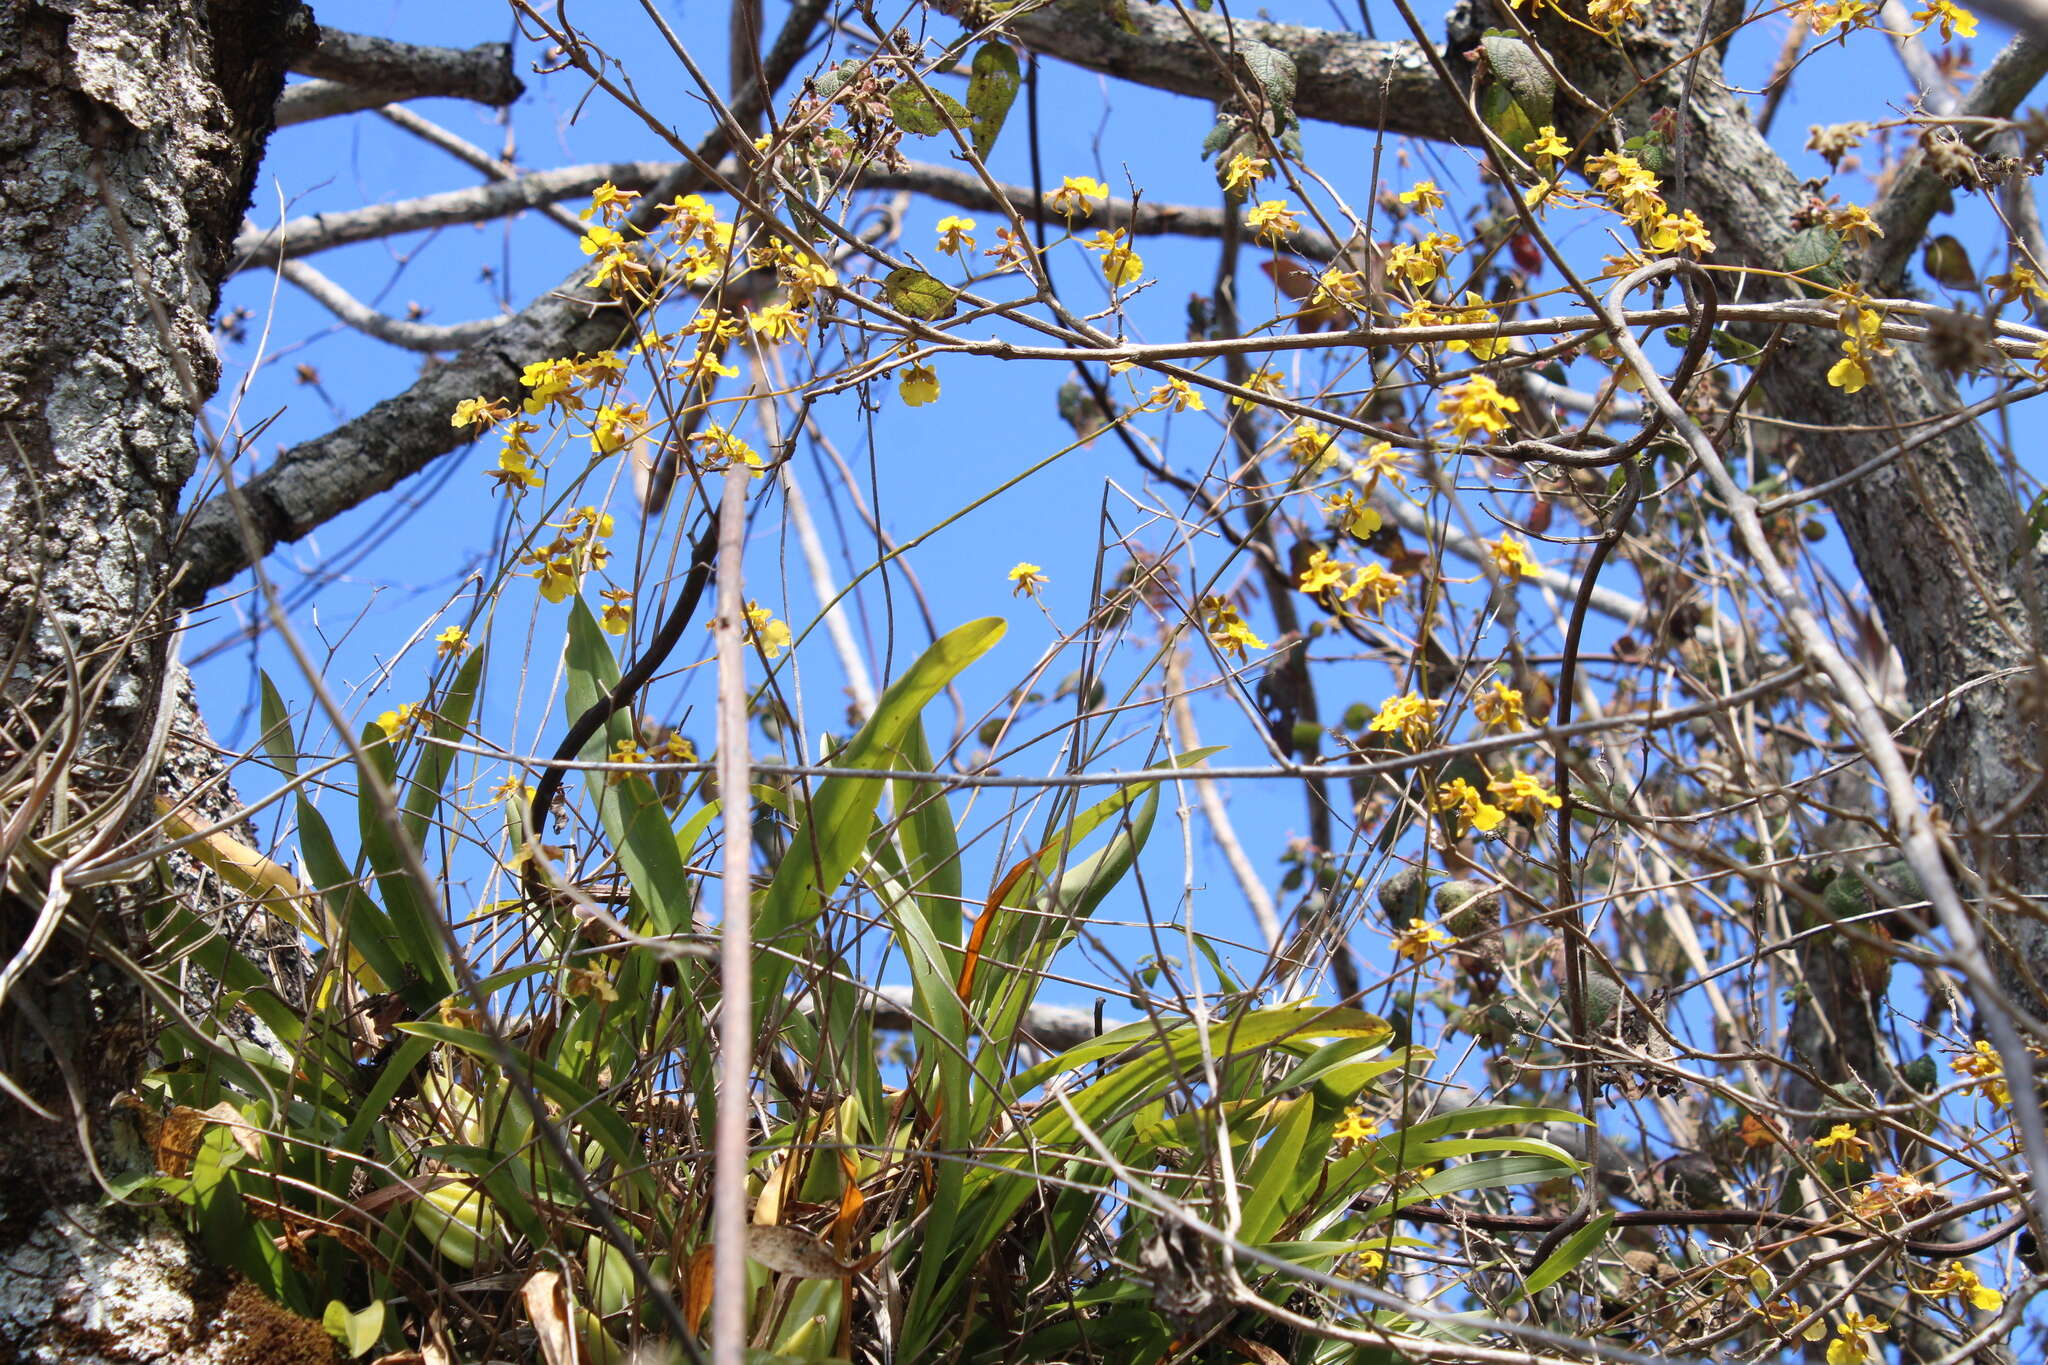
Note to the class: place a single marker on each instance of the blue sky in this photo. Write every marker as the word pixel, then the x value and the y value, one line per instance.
pixel 371 581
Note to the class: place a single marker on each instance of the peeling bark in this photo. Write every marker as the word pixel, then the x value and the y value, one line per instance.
pixel 130 135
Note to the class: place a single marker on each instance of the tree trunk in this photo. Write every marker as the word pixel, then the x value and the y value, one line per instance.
pixel 1936 535
pixel 130 136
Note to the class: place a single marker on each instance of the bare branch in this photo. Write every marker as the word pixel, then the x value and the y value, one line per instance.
pixel 1917 190
pixel 310 100
pixel 356 72
pixel 319 479
pixel 481 203
pixel 413 336
pixel 474 204
pixel 1342 79
pixel 469 154
pixel 1937 92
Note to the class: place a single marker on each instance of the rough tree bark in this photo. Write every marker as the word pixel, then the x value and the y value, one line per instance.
pixel 130 137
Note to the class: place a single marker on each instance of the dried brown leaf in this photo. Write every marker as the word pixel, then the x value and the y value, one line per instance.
pixel 788 1251
pixel 547 1308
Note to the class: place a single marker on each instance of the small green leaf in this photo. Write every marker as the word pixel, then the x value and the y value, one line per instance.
pixel 1728 346
pixel 834 80
pixel 1081 412
pixel 1119 12
pixel 2037 524
pixel 914 113
pixel 1651 150
pixel 280 749
pixel 1273 72
pixel 1815 255
pixel 358 1331
pixel 1221 136
pixel 1505 116
pixel 1516 66
pixel 918 294
pixel 991 90
pixel 1947 262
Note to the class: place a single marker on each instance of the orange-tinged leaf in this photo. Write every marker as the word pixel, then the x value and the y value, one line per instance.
pixel 246 1137
pixel 697 1286
pixel 971 958
pixel 1255 1351
pixel 175 1141
pixel 850 1202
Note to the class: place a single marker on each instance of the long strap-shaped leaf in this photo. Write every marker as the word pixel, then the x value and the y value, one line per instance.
pixel 627 805
pixel 841 815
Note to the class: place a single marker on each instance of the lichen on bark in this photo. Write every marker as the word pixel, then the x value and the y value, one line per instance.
pixel 131 134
